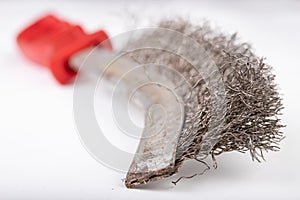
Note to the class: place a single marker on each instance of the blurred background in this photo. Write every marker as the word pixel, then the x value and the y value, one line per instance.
pixel 41 156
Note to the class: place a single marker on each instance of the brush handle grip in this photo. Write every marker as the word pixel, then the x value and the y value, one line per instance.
pixel 51 42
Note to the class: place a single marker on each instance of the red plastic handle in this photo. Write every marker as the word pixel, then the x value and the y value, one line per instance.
pixel 51 42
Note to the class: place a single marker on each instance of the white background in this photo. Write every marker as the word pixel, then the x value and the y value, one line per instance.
pixel 41 156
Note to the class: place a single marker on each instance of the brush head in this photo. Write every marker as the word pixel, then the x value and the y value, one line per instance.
pixel 252 102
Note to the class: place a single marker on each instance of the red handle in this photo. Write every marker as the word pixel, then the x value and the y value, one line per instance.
pixel 51 42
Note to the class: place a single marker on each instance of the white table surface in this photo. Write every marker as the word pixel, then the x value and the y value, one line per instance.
pixel 41 156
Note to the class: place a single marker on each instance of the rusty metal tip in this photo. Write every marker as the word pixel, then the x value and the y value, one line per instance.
pixel 136 179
